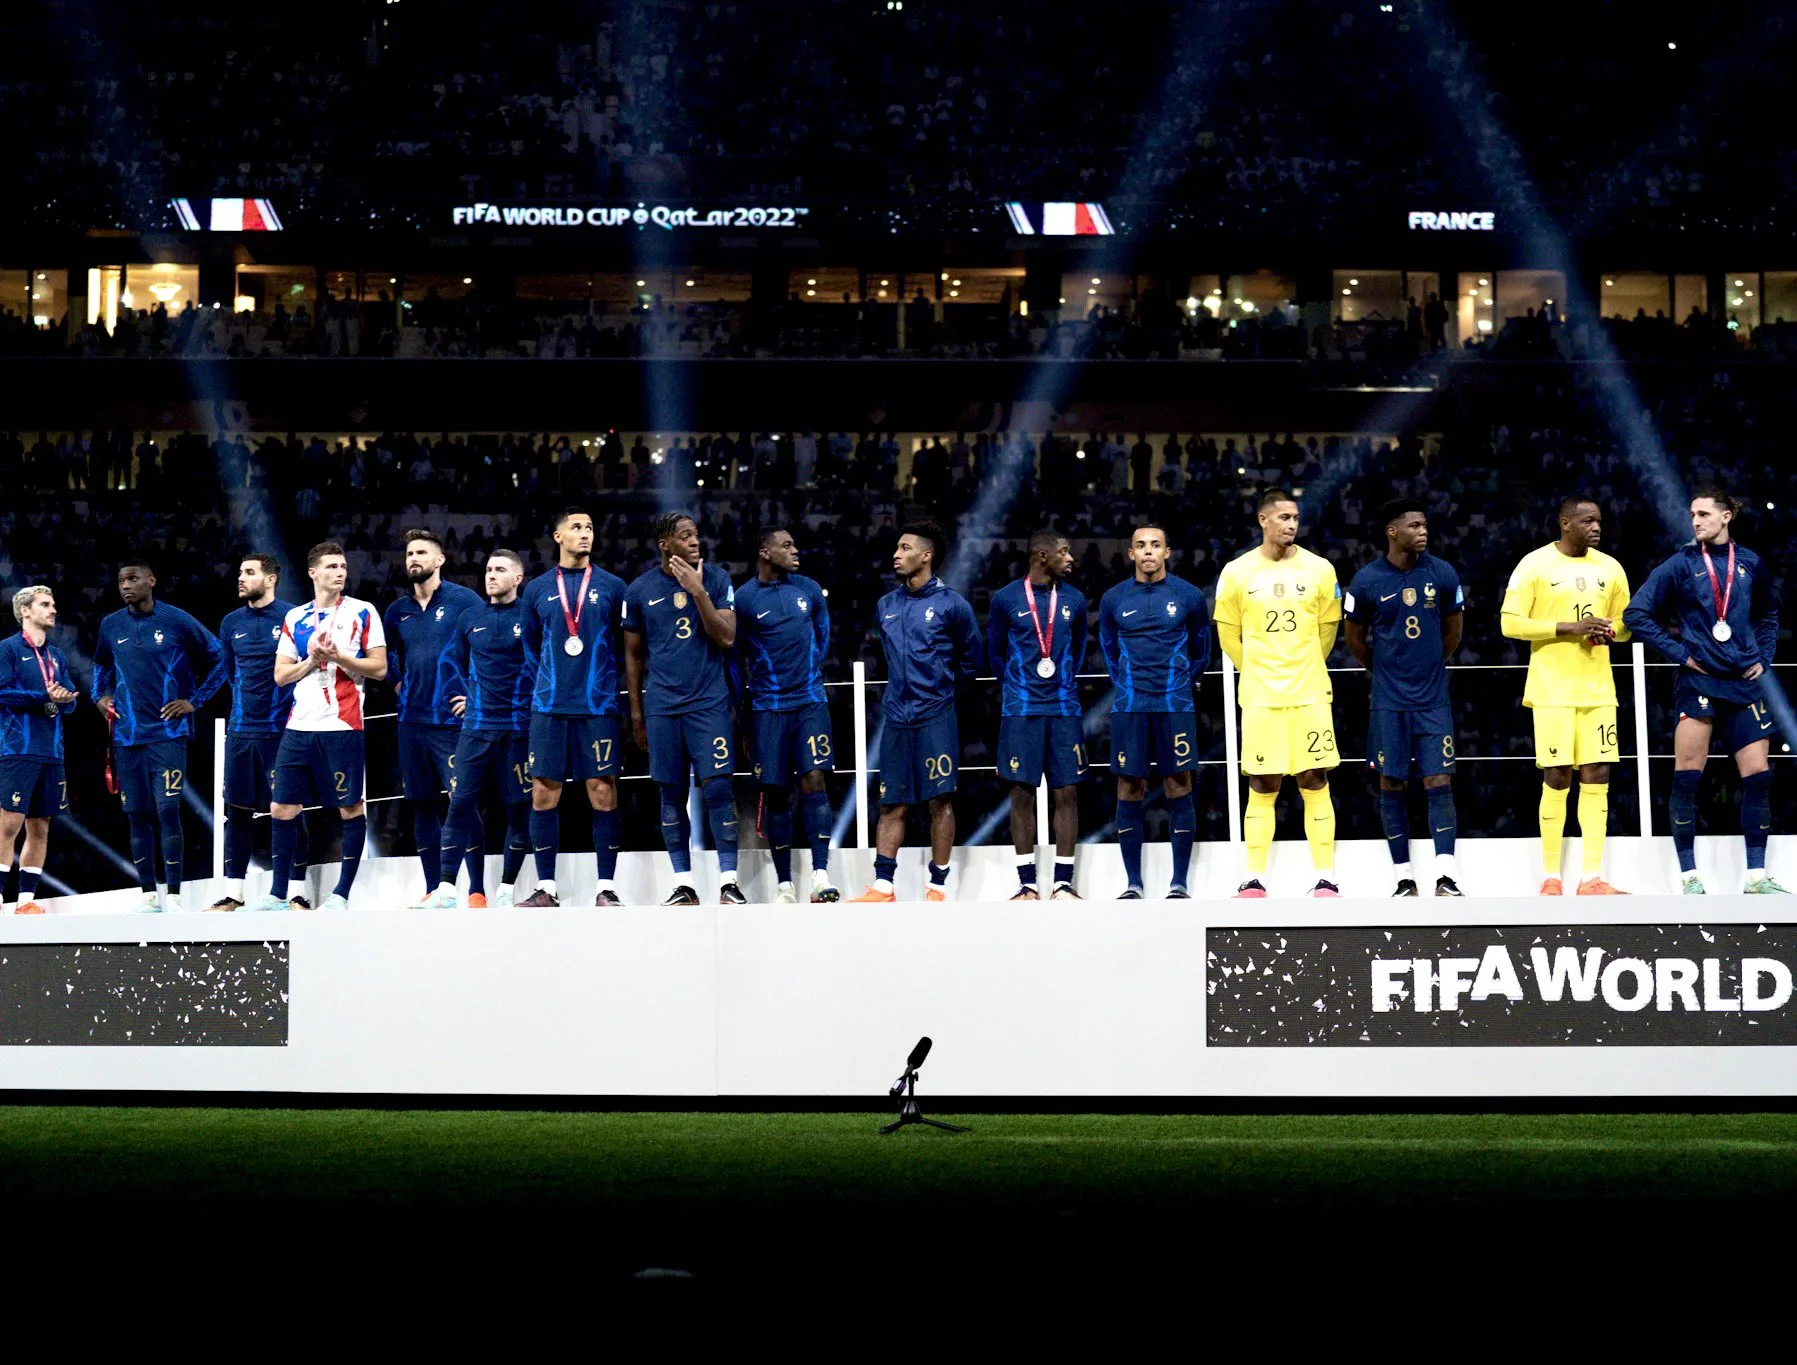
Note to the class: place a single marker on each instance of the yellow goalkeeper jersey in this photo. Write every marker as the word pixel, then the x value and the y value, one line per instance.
pixel 1282 607
pixel 1548 587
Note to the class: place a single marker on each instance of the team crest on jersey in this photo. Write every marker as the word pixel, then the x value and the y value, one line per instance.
pixel 1279 589
pixel 929 613
pixel 275 633
pixel 1015 765
pixel 17 797
pixel 1429 591
pixel 804 605
pixel 1410 597
pixel 1300 590
pixel 1172 610
pixel 517 629
pixel 1066 613
pixel 679 600
pixel 158 637
pixel 439 613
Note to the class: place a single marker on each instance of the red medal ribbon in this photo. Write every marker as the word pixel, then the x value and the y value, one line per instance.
pixel 1046 640
pixel 1721 595
pixel 48 670
pixel 580 602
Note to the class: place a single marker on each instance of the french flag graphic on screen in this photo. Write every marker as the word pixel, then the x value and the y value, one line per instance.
pixel 228 215
pixel 1060 218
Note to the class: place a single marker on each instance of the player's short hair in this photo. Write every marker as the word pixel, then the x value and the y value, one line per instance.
pixel 24 597
pixel 267 563
pixel 1399 508
pixel 1272 496
pixel 930 531
pixel 666 524
pixel 1572 502
pixel 567 514
pixel 143 564
pixel 1716 494
pixel 500 552
pixel 1044 542
pixel 322 550
pixel 1147 526
pixel 422 533
pixel 767 536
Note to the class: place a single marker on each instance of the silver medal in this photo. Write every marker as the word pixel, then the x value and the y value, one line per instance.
pixel 573 645
pixel 1045 668
pixel 1721 631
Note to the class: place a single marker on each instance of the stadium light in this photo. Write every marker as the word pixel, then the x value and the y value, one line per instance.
pixel 1356 283
pixel 1739 283
pixel 642 284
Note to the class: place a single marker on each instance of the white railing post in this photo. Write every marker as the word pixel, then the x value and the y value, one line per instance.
pixel 1231 763
pixel 218 797
pixel 1044 835
pixel 861 773
pixel 1643 788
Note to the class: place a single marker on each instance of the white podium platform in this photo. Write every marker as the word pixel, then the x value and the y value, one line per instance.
pixel 1358 999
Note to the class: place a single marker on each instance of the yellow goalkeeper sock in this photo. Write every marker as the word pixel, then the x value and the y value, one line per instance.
pixel 1594 823
pixel 1257 829
pixel 1319 827
pixel 1553 827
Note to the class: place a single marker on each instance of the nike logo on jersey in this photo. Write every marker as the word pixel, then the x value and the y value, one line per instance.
pixel 121 640
pixel 1022 614
pixel 1129 613
pixel 890 615
pixel 760 614
pixel 1556 582
pixel 656 601
pixel 240 634
pixel 477 630
pixel 1388 596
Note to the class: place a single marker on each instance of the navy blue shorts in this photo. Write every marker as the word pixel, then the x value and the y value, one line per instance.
pixel 32 787
pixel 426 759
pixel 500 765
pixel 250 770
pixel 919 762
pixel 1733 724
pixel 1028 745
pixel 697 742
pixel 151 774
pixel 785 744
pixel 319 768
pixel 1144 742
pixel 573 748
pixel 1402 740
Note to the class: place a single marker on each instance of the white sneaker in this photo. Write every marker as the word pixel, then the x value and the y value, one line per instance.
pixel 334 902
pixel 268 905
pixel 172 905
pixel 151 904
pixel 786 894
pixel 502 898
pixel 437 900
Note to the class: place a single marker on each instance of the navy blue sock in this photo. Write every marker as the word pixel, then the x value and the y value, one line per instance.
pixel 1394 819
pixel 938 874
pixel 1026 870
pixel 282 841
pixel 1444 824
pixel 169 819
pixel 1684 816
pixel 427 834
pixel 302 845
pixel 143 848
pixel 545 838
pixel 28 883
pixel 449 852
pixel 1756 816
pixel 1063 872
pixel 819 823
pixel 240 842
pixel 1184 811
pixel 674 832
pixel 517 839
pixel 473 848
pixel 885 869
pixel 605 844
pixel 355 835
pixel 778 809
pixel 1129 839
pixel 720 815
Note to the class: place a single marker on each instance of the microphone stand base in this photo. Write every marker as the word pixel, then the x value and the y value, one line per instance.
pixel 910 1113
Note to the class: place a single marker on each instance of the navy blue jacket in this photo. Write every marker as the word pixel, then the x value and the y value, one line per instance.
pixel 563 684
pixel 489 657
pixel 145 660
pixel 782 636
pixel 247 640
pixel 932 646
pixel 1013 649
pixel 1156 643
pixel 1679 591
pixel 418 654
pixel 25 730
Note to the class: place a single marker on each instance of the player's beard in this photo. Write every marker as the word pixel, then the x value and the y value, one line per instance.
pixel 417 573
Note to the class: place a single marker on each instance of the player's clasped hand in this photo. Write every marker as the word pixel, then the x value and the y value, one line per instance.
pixel 458 706
pixel 59 694
pixel 691 577
pixel 178 707
pixel 1592 630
